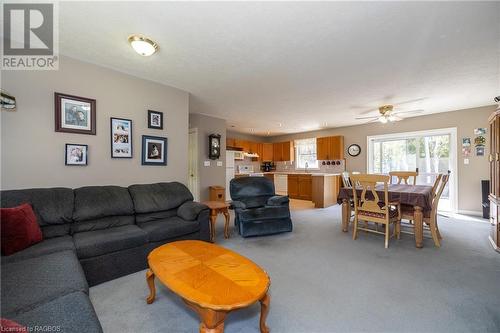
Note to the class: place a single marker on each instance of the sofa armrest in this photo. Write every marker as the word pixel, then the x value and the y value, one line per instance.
pixel 238 205
pixel 278 200
pixel 190 210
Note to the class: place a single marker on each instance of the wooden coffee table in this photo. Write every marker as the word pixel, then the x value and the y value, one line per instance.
pixel 210 279
pixel 216 208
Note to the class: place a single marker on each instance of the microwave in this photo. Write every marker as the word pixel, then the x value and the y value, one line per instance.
pixel 239 155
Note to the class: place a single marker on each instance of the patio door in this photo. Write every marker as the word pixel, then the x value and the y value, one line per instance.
pixel 432 152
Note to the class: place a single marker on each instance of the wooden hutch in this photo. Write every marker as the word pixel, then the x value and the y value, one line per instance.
pixel 494 196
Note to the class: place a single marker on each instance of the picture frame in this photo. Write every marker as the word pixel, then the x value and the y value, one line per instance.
pixel 74 114
pixel 121 138
pixel 155 119
pixel 154 150
pixel 76 154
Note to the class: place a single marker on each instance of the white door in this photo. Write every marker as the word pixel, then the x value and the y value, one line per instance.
pixel 193 181
pixel 432 152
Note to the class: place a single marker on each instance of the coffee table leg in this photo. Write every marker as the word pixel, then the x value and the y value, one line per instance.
pixel 211 321
pixel 264 310
pixel 226 223
pixel 150 278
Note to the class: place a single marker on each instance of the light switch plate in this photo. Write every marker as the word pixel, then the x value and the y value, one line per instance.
pixel 206 163
pixel 466 161
pixel 219 163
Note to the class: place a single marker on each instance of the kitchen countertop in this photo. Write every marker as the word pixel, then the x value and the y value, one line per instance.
pixel 316 174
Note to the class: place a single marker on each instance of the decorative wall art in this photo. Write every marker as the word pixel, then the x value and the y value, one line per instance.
pixel 7 101
pixel 121 138
pixel 214 146
pixel 155 119
pixel 76 154
pixel 75 114
pixel 154 150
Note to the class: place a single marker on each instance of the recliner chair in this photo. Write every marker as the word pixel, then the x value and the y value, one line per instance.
pixel 258 210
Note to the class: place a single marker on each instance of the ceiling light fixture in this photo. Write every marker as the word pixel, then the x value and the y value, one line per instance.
pixel 143 45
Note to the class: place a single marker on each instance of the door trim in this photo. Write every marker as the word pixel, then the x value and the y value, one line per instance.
pixel 194 156
pixel 452 131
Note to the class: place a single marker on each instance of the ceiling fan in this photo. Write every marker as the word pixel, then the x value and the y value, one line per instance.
pixel 387 114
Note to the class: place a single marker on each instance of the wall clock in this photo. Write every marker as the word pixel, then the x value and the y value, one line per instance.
pixel 214 146
pixel 354 150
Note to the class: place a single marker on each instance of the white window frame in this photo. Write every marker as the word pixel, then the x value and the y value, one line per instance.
pixel 452 131
pixel 296 149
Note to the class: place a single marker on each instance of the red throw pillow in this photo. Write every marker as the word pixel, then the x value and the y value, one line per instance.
pixel 19 229
pixel 7 325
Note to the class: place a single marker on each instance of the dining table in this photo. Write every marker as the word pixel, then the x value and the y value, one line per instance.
pixel 417 196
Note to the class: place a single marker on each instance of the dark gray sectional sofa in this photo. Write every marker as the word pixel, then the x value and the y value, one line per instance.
pixel 91 235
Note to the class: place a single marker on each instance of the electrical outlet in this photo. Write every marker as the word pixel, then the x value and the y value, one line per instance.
pixel 219 163
pixel 206 163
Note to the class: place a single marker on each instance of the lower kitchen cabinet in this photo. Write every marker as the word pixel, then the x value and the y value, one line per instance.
pixel 300 187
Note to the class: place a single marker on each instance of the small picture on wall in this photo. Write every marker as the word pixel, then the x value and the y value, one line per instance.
pixel 466 142
pixel 479 150
pixel 480 131
pixel 121 138
pixel 76 154
pixel 154 150
pixel 75 114
pixel 155 119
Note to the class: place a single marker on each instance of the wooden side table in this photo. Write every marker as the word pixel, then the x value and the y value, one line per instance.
pixel 216 208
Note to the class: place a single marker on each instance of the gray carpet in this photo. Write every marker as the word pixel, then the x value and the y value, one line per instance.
pixel 323 281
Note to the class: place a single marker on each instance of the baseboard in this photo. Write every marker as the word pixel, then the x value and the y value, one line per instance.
pixel 470 212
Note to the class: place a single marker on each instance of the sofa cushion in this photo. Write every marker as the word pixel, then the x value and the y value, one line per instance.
pixel 155 216
pixel 190 210
pixel 102 223
pixel 30 282
pixel 264 213
pixel 257 201
pixel 244 187
pixel 95 202
pixel 159 197
pixel 169 228
pixel 69 313
pixel 48 246
pixel 94 243
pixel 19 228
pixel 53 207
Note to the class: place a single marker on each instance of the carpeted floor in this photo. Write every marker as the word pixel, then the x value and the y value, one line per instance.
pixel 323 281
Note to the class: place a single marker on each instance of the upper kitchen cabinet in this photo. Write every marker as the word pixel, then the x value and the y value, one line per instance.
pixel 243 144
pixel 330 148
pixel 283 151
pixel 230 142
pixel 267 152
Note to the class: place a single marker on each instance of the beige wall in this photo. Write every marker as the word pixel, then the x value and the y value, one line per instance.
pixel 469 176
pixel 33 154
pixel 213 174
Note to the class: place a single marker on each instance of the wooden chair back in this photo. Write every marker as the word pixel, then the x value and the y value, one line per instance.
pixel 368 184
pixel 436 183
pixel 345 179
pixel 437 196
pixel 404 176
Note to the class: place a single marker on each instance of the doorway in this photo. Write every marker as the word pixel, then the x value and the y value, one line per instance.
pixel 193 180
pixel 431 151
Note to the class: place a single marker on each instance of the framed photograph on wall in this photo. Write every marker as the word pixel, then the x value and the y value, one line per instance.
pixel 154 150
pixel 76 154
pixel 74 114
pixel 121 138
pixel 155 119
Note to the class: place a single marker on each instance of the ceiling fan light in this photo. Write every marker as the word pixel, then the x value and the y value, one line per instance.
pixel 383 120
pixel 391 118
pixel 143 45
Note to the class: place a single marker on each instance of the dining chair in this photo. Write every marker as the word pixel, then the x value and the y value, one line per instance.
pixel 372 208
pixel 345 179
pixel 430 218
pixel 404 176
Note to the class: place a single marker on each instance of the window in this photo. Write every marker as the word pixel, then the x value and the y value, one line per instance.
pixel 306 153
pixel 432 152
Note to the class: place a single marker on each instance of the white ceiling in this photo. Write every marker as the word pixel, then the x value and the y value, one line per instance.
pixel 302 65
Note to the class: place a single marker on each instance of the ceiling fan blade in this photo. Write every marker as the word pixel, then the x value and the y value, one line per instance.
pixel 371 117
pixel 410 111
pixel 396 118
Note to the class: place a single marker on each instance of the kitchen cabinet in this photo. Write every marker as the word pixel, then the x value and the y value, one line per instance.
pixel 494 196
pixel 230 142
pixel 267 152
pixel 300 187
pixel 243 144
pixel 325 189
pixel 330 148
pixel 283 151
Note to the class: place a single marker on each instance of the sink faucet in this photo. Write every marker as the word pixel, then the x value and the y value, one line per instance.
pixel 306 166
